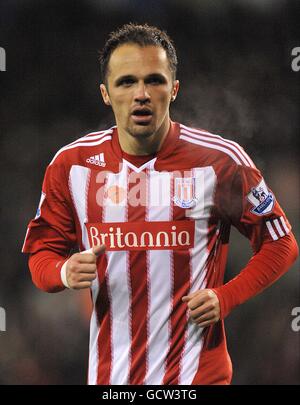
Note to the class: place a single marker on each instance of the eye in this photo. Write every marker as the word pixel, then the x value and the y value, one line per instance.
pixel 155 80
pixel 126 82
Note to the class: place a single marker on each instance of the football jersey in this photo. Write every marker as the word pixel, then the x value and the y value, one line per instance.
pixel 166 226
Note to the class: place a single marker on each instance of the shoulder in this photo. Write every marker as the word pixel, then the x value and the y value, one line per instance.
pixel 83 148
pixel 213 147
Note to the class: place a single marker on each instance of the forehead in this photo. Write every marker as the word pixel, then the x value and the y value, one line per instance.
pixel 132 59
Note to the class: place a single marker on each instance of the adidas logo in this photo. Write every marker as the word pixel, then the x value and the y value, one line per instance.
pixel 97 160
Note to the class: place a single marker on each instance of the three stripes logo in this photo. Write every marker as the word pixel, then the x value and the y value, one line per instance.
pixel 97 160
pixel 278 227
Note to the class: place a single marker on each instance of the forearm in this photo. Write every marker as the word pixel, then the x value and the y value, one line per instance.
pixel 45 269
pixel 265 267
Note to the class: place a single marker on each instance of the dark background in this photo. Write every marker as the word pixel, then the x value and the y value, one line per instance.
pixel 236 80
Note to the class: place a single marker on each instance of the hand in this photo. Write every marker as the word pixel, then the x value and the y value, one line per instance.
pixel 204 307
pixel 81 269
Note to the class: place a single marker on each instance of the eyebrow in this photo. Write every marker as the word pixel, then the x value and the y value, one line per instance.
pixel 159 76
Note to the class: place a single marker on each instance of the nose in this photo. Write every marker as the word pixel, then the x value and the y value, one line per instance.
pixel 141 94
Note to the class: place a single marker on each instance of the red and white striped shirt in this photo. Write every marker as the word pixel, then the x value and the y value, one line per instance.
pixel 166 227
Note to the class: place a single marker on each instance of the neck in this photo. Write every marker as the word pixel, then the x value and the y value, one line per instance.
pixel 139 145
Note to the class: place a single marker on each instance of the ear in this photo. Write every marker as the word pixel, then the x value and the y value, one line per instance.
pixel 105 94
pixel 175 90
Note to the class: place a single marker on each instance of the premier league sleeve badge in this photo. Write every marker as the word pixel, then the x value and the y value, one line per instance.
pixel 262 199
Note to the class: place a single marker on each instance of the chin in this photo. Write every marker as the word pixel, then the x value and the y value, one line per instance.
pixel 142 130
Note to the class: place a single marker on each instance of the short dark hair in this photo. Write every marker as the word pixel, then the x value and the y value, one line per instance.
pixel 142 35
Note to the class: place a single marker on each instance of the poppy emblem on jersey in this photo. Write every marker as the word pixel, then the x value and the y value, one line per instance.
pixel 262 199
pixel 116 194
pixel 184 192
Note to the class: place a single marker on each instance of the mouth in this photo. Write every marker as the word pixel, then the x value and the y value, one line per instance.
pixel 142 116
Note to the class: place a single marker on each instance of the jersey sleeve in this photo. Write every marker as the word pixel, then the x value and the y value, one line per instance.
pixel 246 202
pixel 53 227
pixel 254 210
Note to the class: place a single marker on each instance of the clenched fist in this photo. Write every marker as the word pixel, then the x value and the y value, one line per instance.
pixel 81 268
pixel 204 307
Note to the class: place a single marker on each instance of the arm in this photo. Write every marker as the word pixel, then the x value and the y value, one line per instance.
pixel 51 236
pixel 46 270
pixel 265 267
pixel 274 252
pixel 45 267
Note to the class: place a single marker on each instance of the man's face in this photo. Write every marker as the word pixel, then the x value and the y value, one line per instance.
pixel 140 88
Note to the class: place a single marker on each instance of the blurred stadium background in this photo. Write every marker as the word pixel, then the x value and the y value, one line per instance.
pixel 236 80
